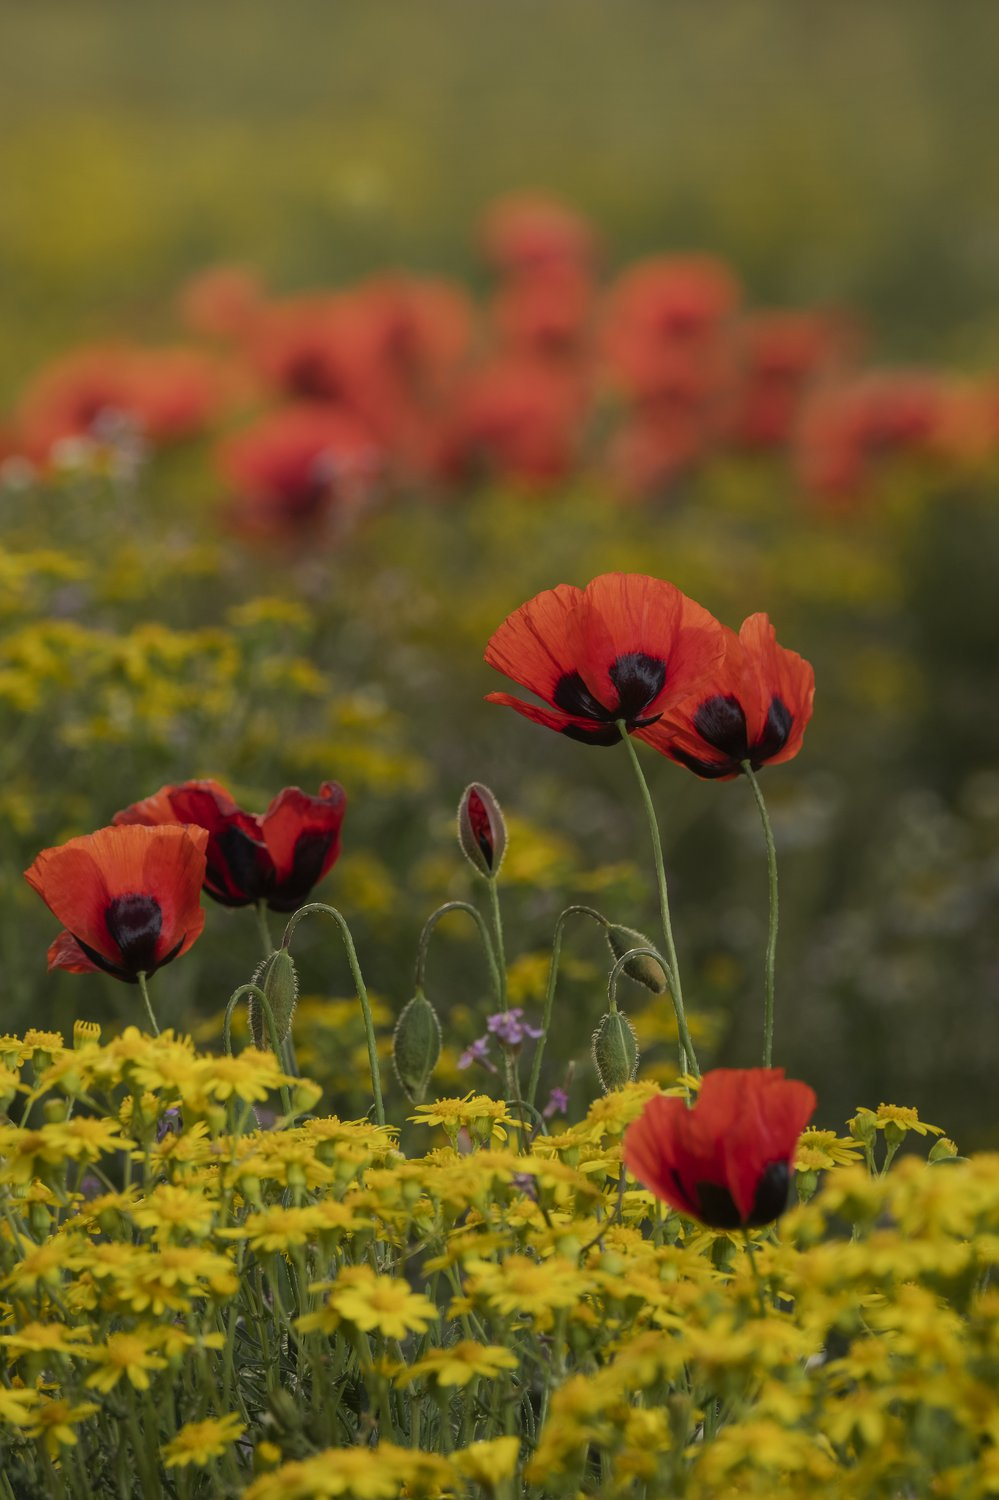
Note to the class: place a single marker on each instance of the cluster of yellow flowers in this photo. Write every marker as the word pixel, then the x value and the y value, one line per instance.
pixel 289 1304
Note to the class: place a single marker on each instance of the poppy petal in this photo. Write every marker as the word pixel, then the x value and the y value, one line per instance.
pixel 532 646
pixel 302 835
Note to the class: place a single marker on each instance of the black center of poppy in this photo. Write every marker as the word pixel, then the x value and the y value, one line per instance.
pixel 775 733
pixel 721 721
pixel 311 849
pixel 134 924
pixel 239 868
pixel 639 679
pixel 717 1208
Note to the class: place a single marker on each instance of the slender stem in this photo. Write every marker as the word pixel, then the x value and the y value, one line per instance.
pixel 768 834
pixel 362 994
pixel 509 1061
pixel 761 1292
pixel 688 1059
pixel 260 909
pixel 144 991
pixel 480 922
pixel 546 1020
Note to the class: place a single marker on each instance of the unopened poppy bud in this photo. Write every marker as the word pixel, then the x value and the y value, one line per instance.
pixel 482 829
pixel 643 968
pixel 277 978
pixel 615 1051
pixel 416 1046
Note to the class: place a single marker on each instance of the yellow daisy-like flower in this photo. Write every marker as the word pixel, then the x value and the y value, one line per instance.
pixel 169 1209
pixel 200 1442
pixel 124 1354
pixel 489 1462
pixel 477 1113
pixel 818 1150
pixel 367 1301
pixel 362 1473
pixel 895 1118
pixel 521 1286
pixel 44 1338
pixel 54 1421
pixel 461 1363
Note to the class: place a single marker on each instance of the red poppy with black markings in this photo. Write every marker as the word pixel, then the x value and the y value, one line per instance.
pixel 727 1162
pixel 130 898
pixel 754 708
pixel 625 647
pixel 276 856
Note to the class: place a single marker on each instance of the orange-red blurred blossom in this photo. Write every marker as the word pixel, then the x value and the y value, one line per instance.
pixel 728 1160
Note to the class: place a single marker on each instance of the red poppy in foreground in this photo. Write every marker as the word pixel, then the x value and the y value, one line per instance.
pixel 276 856
pixel 754 707
pixel 625 647
pixel 727 1161
pixel 130 898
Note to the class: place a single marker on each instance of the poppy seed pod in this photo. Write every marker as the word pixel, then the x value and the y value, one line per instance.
pixel 643 968
pixel 277 977
pixel 481 829
pixel 615 1051
pixel 416 1046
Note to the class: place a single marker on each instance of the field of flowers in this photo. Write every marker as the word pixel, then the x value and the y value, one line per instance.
pixel 500 784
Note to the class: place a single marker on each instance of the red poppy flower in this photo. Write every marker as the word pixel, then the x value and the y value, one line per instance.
pixel 277 856
pixel 130 898
pixel 754 707
pixel 519 418
pixel 727 1161
pixel 625 647
pixel 528 232
pixel 293 467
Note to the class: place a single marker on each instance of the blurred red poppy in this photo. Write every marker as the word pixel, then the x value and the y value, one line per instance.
pixel 625 647
pixel 276 856
pixel 164 394
pixel 527 232
pixel 754 706
pixel 727 1161
pixel 292 467
pixel 130 898
pixel 518 418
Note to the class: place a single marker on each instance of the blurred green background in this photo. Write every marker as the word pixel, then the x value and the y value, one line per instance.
pixel 840 156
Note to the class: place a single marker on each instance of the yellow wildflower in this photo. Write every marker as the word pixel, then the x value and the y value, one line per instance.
pixel 458 1364
pixel 53 1422
pixel 488 1462
pixel 367 1301
pixel 124 1354
pixel 200 1442
pixel 821 1149
pixel 477 1113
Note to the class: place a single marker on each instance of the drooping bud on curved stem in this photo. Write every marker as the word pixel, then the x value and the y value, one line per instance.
pixel 615 1051
pixel 276 978
pixel 481 830
pixel 416 1046
pixel 644 969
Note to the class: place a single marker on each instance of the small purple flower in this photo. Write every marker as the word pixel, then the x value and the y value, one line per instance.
pixel 525 1183
pixel 558 1103
pixel 478 1052
pixel 169 1123
pixel 510 1028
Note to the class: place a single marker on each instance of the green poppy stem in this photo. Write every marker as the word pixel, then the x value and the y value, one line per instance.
pixel 771 954
pixel 260 907
pixel 688 1059
pixel 546 1020
pixel 144 991
pixel 320 907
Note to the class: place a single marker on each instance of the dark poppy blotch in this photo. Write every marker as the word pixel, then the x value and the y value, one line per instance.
pixel 130 898
pixel 625 647
pixel 276 856
pixel 727 1161
pixel 754 707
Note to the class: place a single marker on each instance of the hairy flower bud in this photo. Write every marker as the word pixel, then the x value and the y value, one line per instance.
pixel 277 978
pixel 481 829
pixel 642 968
pixel 615 1051
pixel 416 1046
